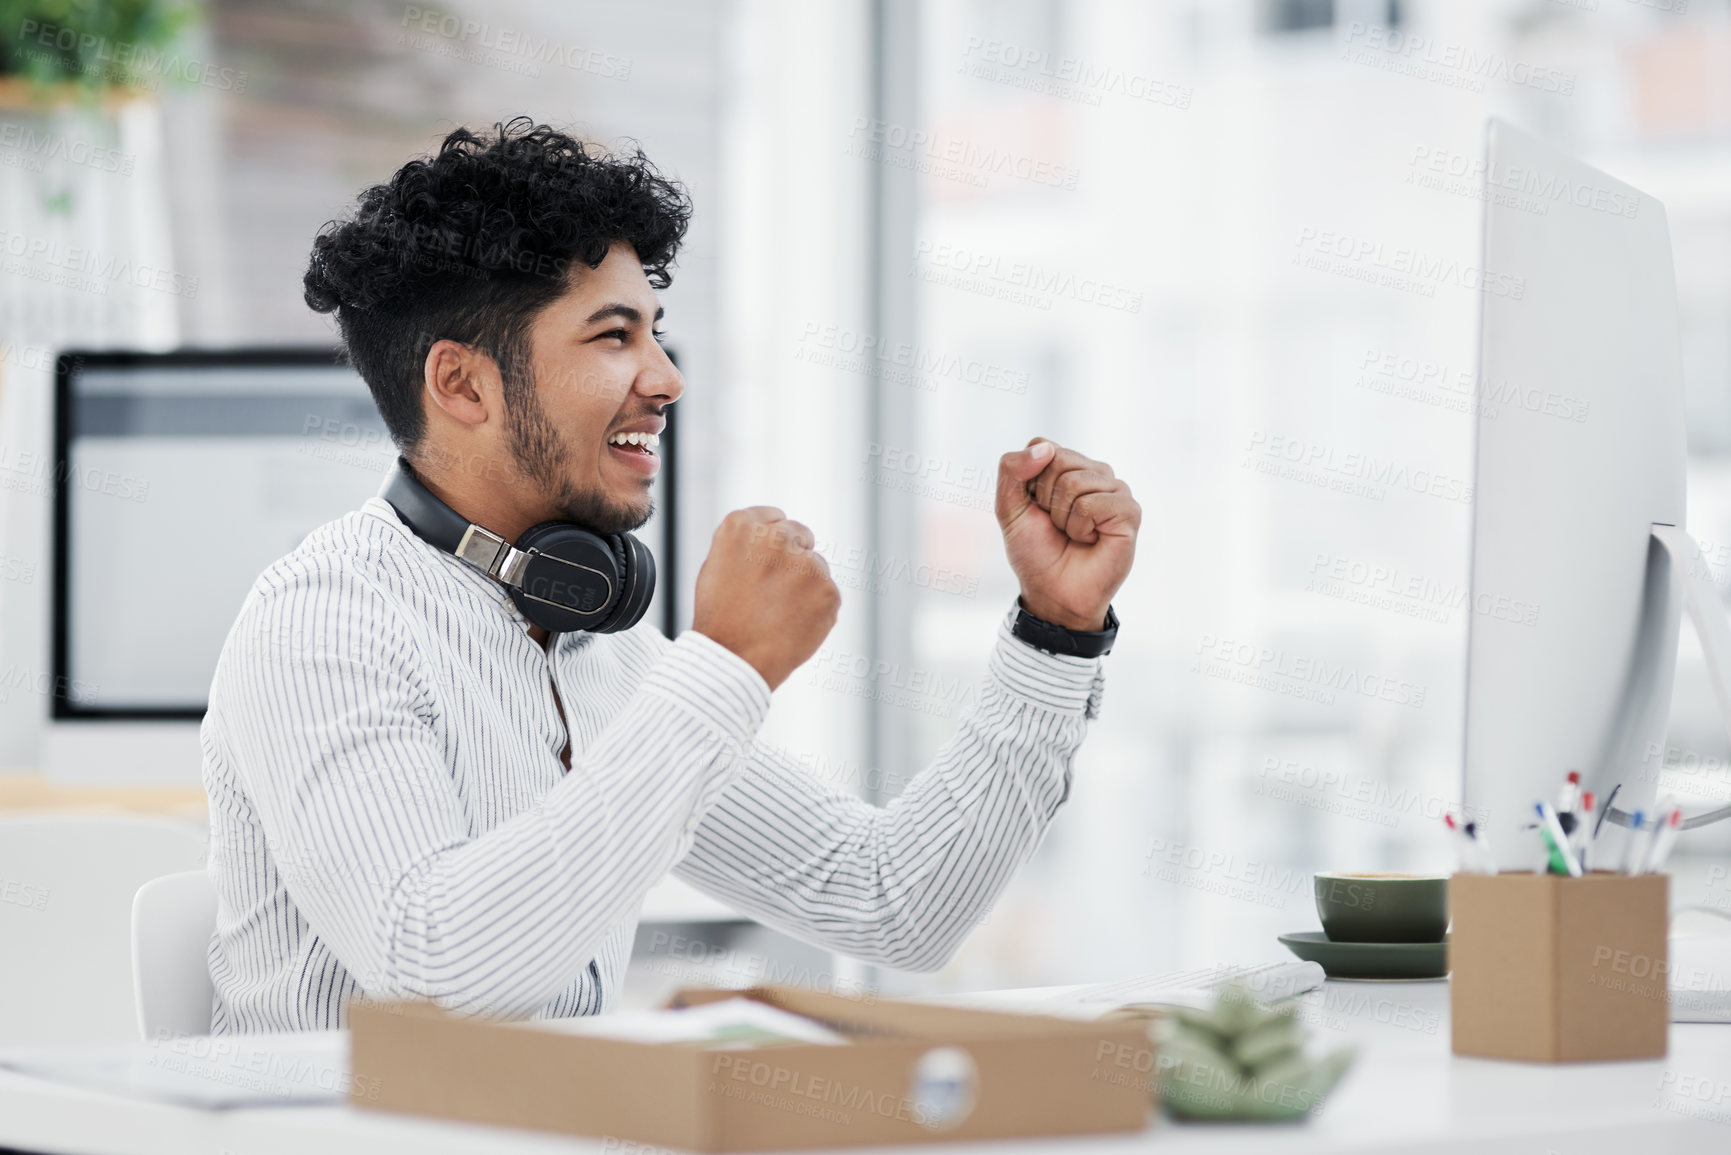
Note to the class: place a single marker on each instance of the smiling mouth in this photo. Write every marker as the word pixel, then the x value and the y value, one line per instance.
pixel 641 443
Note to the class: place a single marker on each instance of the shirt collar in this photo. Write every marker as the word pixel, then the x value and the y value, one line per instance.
pixel 490 591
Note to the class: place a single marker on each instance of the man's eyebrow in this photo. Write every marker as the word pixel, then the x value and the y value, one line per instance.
pixel 627 313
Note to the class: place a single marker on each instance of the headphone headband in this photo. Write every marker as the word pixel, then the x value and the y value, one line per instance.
pixel 561 576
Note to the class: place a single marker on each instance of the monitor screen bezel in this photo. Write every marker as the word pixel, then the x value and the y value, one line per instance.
pixel 67 367
pixel 72 362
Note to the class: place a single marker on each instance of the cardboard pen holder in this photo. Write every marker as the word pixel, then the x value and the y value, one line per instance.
pixel 1551 969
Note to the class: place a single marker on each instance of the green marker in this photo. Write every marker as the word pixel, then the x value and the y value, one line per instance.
pixel 1558 864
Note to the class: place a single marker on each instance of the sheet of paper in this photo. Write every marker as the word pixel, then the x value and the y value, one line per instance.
pixel 725 1023
pixel 302 1068
pixel 1267 981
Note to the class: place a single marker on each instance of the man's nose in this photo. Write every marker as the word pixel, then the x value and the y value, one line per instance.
pixel 662 377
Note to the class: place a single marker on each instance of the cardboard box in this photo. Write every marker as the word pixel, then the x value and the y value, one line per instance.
pixel 1554 969
pixel 913 1073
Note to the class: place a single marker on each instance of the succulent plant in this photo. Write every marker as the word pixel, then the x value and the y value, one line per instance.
pixel 1242 1060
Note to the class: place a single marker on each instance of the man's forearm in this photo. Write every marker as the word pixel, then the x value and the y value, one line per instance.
pixel 903 885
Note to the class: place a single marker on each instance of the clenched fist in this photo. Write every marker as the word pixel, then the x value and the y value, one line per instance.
pixel 764 593
pixel 1069 530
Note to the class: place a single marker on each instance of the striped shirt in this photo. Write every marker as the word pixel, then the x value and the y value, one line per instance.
pixel 391 817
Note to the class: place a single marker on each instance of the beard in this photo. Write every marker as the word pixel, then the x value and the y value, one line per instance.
pixel 542 456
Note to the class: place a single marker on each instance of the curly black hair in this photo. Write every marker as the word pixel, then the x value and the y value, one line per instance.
pixel 472 243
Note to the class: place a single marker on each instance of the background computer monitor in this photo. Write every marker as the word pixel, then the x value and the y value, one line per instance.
pixel 184 475
pixel 1580 451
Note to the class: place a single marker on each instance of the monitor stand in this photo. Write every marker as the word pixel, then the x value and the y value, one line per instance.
pixel 1698 990
pixel 1691 583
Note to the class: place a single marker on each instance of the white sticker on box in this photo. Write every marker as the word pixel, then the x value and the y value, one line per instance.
pixel 943 1087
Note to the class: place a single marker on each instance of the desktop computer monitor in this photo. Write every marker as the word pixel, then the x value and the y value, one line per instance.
pixel 182 476
pixel 1572 640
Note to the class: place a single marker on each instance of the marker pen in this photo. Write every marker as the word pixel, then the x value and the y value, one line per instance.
pixel 1632 848
pixel 1483 846
pixel 1581 837
pixel 1566 799
pixel 1664 840
pixel 1558 842
pixel 1463 846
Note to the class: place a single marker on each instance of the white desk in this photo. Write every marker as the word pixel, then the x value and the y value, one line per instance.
pixel 1406 1092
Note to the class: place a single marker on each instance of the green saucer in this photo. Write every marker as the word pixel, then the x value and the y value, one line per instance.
pixel 1370 960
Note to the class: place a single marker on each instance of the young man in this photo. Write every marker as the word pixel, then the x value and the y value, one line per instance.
pixel 416 792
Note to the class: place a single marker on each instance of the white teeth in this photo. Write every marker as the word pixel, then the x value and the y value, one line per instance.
pixel 646 440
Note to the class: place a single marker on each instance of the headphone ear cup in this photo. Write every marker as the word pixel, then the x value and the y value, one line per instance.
pixel 638 579
pixel 572 580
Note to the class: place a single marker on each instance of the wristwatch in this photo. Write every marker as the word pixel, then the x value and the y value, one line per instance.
pixel 1056 639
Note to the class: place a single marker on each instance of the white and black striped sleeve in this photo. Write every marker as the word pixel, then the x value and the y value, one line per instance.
pixel 903 884
pixel 330 700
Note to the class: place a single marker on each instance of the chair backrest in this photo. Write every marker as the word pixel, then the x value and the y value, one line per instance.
pixel 172 921
pixel 67 883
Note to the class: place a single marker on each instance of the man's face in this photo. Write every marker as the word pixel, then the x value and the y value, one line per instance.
pixel 597 370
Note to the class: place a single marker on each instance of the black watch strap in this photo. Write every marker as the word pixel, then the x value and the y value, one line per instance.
pixel 1056 639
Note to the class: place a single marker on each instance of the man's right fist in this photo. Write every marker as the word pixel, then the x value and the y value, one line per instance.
pixel 764 593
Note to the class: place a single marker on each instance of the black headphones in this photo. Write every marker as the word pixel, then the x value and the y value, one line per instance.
pixel 563 577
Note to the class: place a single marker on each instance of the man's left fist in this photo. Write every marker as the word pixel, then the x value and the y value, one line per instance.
pixel 1069 531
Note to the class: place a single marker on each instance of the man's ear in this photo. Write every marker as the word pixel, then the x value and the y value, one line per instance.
pixel 463 382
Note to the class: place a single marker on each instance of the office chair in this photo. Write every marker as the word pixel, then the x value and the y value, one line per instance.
pixel 172 921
